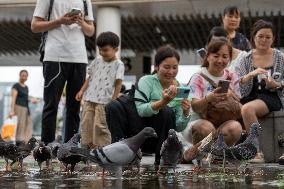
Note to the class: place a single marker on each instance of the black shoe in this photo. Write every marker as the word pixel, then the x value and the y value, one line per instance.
pixel 281 160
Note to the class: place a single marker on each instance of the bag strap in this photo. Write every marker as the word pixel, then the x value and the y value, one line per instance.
pixel 85 8
pixel 50 9
pixel 209 80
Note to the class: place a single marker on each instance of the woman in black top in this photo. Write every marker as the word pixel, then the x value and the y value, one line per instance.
pixel 20 108
pixel 231 22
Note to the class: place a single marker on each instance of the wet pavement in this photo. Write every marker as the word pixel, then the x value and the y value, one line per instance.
pixel 253 176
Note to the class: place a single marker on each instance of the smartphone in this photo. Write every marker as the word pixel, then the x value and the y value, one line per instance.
pixel 276 76
pixel 224 84
pixel 182 92
pixel 74 11
pixel 201 52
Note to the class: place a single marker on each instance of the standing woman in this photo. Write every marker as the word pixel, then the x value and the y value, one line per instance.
pixel 20 108
pixel 231 22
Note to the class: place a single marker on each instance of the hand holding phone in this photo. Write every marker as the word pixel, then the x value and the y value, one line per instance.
pixel 182 92
pixel 224 86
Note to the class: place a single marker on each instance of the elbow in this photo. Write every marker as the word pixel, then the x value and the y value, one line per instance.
pixel 34 28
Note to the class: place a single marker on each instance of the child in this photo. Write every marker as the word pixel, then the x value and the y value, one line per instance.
pixel 103 84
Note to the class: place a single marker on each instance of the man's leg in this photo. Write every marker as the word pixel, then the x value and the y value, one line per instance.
pixel 53 85
pixel 75 78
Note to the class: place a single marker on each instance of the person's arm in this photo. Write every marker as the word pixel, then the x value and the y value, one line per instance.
pixel 182 115
pixel 79 95
pixel 41 25
pixel 87 26
pixel 14 94
pixel 117 88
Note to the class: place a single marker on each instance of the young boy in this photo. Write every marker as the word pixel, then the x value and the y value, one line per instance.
pixel 103 84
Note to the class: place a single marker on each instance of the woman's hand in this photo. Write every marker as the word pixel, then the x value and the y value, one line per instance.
pixel 169 93
pixel 11 114
pixel 215 96
pixel 271 83
pixel 79 19
pixel 185 104
pixel 257 72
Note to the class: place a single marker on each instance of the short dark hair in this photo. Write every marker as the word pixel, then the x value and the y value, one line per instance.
pixel 217 31
pixel 23 71
pixel 107 38
pixel 165 52
pixel 231 9
pixel 258 25
pixel 214 46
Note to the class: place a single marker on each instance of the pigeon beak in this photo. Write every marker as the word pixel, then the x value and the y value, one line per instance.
pixel 155 135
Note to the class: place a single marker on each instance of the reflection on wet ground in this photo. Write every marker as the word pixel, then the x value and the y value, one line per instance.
pixel 255 176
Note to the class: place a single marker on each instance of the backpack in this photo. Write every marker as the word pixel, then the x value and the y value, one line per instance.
pixel 122 117
pixel 44 34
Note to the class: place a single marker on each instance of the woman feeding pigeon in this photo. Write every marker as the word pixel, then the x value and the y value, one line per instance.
pixel 162 111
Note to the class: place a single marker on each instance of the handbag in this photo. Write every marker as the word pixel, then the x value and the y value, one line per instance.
pixel 9 129
pixel 220 112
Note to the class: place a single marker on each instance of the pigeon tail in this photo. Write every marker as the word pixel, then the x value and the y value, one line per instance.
pixel 85 153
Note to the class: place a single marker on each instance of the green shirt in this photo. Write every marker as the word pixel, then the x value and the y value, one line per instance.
pixel 150 85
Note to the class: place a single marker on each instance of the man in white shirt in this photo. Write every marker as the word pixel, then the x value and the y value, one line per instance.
pixel 65 59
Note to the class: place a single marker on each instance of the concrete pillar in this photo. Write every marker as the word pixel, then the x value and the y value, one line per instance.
pixel 109 19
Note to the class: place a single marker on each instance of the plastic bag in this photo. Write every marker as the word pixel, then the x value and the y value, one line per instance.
pixel 9 129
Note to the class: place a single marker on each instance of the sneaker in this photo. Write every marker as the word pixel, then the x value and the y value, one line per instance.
pixel 259 158
pixel 281 160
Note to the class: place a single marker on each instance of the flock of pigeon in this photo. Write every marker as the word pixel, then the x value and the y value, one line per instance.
pixel 127 151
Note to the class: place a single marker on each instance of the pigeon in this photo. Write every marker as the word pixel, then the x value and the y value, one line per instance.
pixel 64 154
pixel 243 151
pixel 198 151
pixel 55 145
pixel 18 153
pixel 171 151
pixel 117 154
pixel 42 153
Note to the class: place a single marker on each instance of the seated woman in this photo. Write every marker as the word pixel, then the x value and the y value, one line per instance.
pixel 217 32
pixel 162 111
pixel 219 54
pixel 257 71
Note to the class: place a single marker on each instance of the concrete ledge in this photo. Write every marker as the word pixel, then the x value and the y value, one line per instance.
pixel 272 126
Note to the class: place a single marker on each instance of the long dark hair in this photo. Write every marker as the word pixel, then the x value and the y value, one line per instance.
pixel 214 46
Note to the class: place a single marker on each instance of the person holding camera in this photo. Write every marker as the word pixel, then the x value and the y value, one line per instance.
pixel 65 59
pixel 261 75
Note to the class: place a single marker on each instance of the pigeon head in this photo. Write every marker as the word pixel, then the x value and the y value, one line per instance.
pixel 172 134
pixel 58 138
pixel 254 129
pixel 41 144
pixel 76 138
pixel 149 132
pixel 32 142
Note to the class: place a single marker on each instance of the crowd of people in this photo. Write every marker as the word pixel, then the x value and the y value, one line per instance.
pixel 253 69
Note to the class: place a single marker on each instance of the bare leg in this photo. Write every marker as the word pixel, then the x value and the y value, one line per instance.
pixel 251 111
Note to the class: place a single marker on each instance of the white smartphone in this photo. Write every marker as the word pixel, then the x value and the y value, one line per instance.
pixel 74 11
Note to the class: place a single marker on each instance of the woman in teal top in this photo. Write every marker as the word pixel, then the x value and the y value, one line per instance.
pixel 162 111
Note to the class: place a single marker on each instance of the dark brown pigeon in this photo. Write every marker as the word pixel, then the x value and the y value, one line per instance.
pixel 42 153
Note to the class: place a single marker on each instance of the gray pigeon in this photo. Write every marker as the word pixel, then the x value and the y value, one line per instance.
pixel 42 153
pixel 18 153
pixel 55 145
pixel 243 151
pixel 171 151
pixel 65 156
pixel 118 154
